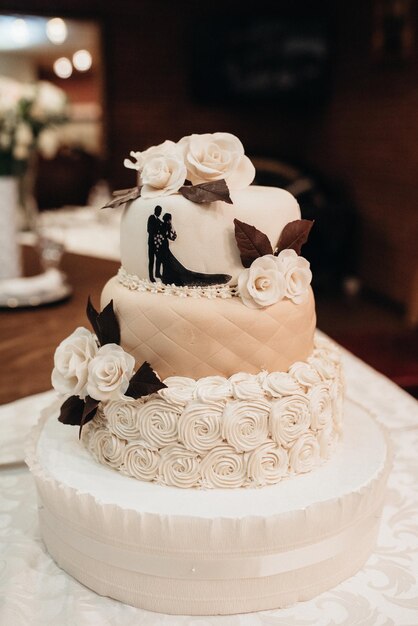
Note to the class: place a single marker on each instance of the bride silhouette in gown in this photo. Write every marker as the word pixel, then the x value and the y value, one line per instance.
pixel 173 272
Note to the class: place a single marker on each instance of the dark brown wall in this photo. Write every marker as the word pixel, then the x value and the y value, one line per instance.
pixel 365 136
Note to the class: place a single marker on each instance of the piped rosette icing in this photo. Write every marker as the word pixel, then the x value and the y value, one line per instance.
pixel 216 432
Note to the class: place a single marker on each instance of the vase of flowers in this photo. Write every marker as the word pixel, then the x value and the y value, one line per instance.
pixel 29 116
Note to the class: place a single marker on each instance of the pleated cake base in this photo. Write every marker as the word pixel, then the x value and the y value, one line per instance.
pixel 210 552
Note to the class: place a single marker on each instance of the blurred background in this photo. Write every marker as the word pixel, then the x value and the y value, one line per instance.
pixel 323 95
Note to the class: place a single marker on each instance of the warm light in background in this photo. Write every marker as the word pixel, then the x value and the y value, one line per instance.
pixel 56 30
pixel 20 31
pixel 82 60
pixel 63 67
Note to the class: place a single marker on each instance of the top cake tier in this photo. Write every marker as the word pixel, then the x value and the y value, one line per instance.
pixel 203 234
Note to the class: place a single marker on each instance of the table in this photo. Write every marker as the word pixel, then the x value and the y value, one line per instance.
pixel 35 592
pixel 29 337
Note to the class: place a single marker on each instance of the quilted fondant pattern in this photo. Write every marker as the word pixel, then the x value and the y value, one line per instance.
pixel 199 337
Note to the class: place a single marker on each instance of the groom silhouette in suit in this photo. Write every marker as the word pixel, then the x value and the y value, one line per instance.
pixel 154 225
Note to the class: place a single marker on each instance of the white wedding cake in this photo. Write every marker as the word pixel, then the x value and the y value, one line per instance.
pixel 212 474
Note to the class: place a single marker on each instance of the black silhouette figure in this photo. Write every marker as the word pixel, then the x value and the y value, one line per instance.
pixel 168 268
pixel 154 226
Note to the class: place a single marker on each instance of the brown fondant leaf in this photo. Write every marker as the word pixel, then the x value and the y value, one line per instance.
pixel 252 243
pixel 92 315
pixel 207 192
pixel 122 196
pixel 144 382
pixel 294 235
pixel 105 324
pixel 72 411
pixel 89 411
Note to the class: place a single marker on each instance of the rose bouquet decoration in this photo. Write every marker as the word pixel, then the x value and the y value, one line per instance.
pixel 203 168
pixel 92 368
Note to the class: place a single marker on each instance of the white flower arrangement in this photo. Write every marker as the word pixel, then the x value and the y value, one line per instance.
pixel 270 279
pixel 28 113
pixel 206 158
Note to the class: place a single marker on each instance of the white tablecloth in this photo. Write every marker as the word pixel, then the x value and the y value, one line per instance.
pixel 35 592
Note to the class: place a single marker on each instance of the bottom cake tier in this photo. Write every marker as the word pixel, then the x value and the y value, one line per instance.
pixel 209 552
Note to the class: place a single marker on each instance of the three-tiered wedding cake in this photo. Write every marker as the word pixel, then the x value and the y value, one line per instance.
pixel 204 377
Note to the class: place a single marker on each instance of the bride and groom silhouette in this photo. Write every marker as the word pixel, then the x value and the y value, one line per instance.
pixel 167 267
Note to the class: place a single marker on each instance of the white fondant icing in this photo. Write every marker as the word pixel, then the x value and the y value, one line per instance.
pixel 203 229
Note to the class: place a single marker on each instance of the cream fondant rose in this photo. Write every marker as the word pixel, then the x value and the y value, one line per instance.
pixel 157 421
pixel 106 447
pixel 245 424
pixel 217 156
pixel 289 419
pixel 179 467
pixel 140 461
pixel 109 373
pixel 246 386
pixel 199 426
pixel 304 454
pixel 297 275
pixel 279 384
pixel 213 389
pixel 267 464
pixel 223 467
pixel 162 174
pixel 321 406
pixel 262 284
pixel 71 361
pixel 179 390
pixel 122 418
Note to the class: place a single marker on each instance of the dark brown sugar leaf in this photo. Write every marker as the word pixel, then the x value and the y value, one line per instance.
pixel 90 409
pixel 71 411
pixel 144 382
pixel 207 192
pixel 122 197
pixel 294 235
pixel 252 243
pixel 108 325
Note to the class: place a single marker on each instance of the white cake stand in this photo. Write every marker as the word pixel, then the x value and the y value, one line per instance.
pixel 209 552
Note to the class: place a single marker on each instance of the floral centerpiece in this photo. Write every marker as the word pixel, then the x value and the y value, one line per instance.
pixel 29 114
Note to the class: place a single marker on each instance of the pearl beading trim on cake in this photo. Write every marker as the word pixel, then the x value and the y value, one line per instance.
pixel 216 432
pixel 134 283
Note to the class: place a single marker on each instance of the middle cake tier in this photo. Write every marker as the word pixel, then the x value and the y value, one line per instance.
pixel 182 335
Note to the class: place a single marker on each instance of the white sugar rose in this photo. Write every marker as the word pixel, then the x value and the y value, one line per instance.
pixel 122 418
pixel 289 419
pixel 157 421
pixel 200 425
pixel 109 373
pixel 179 390
pixel 162 174
pixel 106 447
pixel 223 467
pixel 245 424
pixel 71 361
pixel 140 461
pixel 217 156
pixel 304 454
pixel 179 467
pixel 213 389
pixel 279 384
pixel 262 284
pixel 267 464
pixel 246 386
pixel 321 406
pixel 297 275
pixel 327 439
